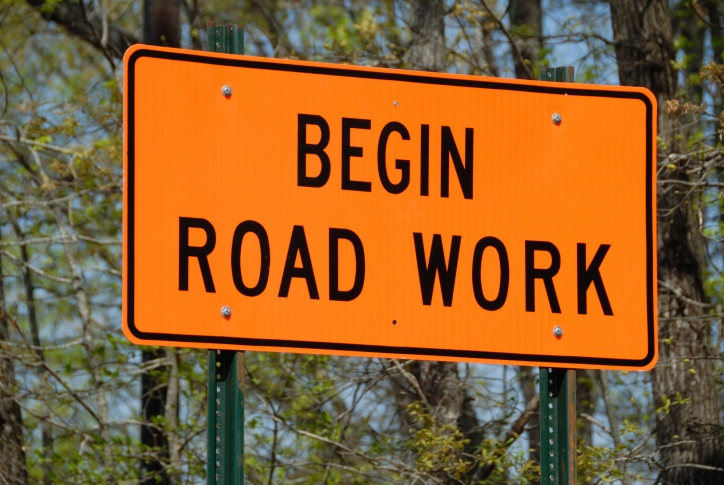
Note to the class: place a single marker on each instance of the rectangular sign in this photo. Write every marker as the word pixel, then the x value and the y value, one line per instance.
pixel 306 207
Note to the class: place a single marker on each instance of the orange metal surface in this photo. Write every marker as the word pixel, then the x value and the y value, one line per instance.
pixel 191 152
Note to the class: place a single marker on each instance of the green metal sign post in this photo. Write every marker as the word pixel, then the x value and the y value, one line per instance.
pixel 226 367
pixel 558 426
pixel 557 389
pixel 225 418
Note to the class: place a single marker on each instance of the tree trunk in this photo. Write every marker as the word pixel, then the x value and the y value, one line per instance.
pixel 153 405
pixel 428 51
pixel 161 26
pixel 172 416
pixel 12 462
pixel 685 433
pixel 445 394
pixel 45 388
pixel 440 381
pixel 526 18
pixel 469 425
pixel 162 22
pixel 644 45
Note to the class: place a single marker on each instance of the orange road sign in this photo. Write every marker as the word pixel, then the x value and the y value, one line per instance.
pixel 306 207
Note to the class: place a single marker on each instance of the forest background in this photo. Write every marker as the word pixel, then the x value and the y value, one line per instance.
pixel 79 404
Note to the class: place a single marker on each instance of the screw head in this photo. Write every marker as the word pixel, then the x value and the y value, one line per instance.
pixel 558 331
pixel 225 311
pixel 556 119
pixel 226 91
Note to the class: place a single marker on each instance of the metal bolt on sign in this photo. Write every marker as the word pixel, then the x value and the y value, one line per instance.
pixel 226 91
pixel 556 119
pixel 225 311
pixel 558 331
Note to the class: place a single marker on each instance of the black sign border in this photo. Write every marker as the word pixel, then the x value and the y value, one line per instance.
pixel 392 75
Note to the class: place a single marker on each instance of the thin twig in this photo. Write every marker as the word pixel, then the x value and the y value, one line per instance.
pixel 413 381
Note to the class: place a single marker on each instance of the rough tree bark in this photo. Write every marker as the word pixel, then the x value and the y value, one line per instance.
pixel 12 454
pixel 526 17
pixel 427 51
pixel 687 435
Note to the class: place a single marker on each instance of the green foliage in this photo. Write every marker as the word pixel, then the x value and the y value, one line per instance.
pixel 679 400
pixel 598 464
pixel 439 446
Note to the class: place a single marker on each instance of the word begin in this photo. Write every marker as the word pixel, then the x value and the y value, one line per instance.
pixel 449 153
